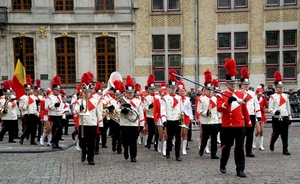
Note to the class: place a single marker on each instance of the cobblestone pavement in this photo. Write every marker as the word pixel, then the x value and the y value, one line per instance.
pixel 39 164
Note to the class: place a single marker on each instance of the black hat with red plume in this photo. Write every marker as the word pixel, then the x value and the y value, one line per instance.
pixel 98 87
pixel 91 77
pixel 163 88
pixel 230 65
pixel 55 83
pixel 137 88
pixel 38 85
pixel 278 79
pixel 151 81
pixel 208 80
pixel 244 76
pixel 119 87
pixel 28 84
pixel 87 79
pixel 129 84
pixel 180 85
pixel 6 87
pixel 172 78
pixel 215 83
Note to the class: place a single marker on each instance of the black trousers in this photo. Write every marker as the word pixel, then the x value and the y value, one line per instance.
pixel 103 132
pixel 56 129
pixel 129 139
pixel 151 130
pixel 115 134
pixel 249 134
pixel 229 135
pixel 189 135
pixel 210 131
pixel 87 142
pixel 65 125
pixel 30 126
pixel 280 127
pixel 173 129
pixel 10 126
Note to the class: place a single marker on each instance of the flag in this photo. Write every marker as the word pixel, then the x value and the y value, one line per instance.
pixel 19 78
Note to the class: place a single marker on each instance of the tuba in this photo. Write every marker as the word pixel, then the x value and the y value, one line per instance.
pixel 133 114
pixel 113 76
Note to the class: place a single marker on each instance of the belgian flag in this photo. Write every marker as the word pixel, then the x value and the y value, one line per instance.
pixel 19 78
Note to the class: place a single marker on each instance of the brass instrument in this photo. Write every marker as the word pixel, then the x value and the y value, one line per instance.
pixel 133 114
pixel 5 107
pixel 85 111
pixel 113 76
pixel 111 115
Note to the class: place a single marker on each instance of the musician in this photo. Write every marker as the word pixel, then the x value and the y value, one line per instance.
pixel 90 114
pixel 36 92
pixel 209 117
pixel 279 107
pixel 76 96
pixel 253 110
pixel 234 119
pixel 149 102
pixel 54 107
pixel 131 118
pixel 28 106
pixel 44 117
pixel 9 113
pixel 187 115
pixel 111 100
pixel 66 111
pixel 171 113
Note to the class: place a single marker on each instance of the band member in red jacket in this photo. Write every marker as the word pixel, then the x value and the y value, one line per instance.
pixel 234 119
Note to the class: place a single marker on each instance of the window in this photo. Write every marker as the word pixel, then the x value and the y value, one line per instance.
pixel 165 5
pixel 165 56
pixel 63 5
pixel 232 4
pixel 280 2
pixel 237 51
pixel 23 5
pixel 106 57
pixel 281 55
pixel 65 60
pixel 104 5
pixel 28 54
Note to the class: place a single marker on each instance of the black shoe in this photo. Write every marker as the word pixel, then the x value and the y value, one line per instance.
pixel 53 144
pixel 286 152
pixel 250 155
pixel 119 152
pixel 200 153
pixel 33 143
pixel 61 139
pixel 104 146
pixel 82 159
pixel 190 140
pixel 148 146
pixel 187 148
pixel 57 147
pixel 27 137
pixel 1 139
pixel 96 152
pixel 21 141
pixel 272 147
pixel 91 162
pixel 126 156
pixel 223 169
pixel 178 159
pixel 113 149
pixel 12 141
pixel 17 137
pixel 167 156
pixel 241 174
pixel 215 157
pixel 73 136
pixel 132 160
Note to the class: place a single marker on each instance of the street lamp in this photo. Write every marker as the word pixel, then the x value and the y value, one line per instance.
pixel 3 19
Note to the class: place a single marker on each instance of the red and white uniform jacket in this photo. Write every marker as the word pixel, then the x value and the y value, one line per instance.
pixel 66 109
pixel 205 103
pixel 187 110
pixel 43 112
pixel 252 104
pixel 93 116
pixel 234 115
pixel 137 106
pixel 150 99
pixel 263 103
pixel 13 109
pixel 27 104
pixel 280 102
pixel 49 105
pixel 171 108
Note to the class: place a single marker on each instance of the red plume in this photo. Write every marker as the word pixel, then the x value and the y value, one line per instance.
pixel 78 89
pixel 215 82
pixel 207 77
pixel 28 80
pixel 162 85
pixel 86 78
pixel 151 79
pixel 129 81
pixel 119 86
pixel 277 76
pixel 230 65
pixel 244 73
pixel 180 84
pixel 10 83
pixel 38 83
pixel 171 76
pixel 91 75
pixel 137 87
pixel 56 80
pixel 6 85
pixel 62 92
pixel 98 86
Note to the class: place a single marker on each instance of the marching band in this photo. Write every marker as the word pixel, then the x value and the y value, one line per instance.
pixel 129 112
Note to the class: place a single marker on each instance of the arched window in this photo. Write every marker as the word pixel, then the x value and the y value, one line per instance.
pixel 28 54
pixel 106 57
pixel 65 60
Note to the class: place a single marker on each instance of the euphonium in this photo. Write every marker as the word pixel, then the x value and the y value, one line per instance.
pixel 132 115
pixel 111 115
pixel 5 107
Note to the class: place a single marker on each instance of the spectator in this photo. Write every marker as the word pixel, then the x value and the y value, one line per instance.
pixel 293 101
pixel 269 91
